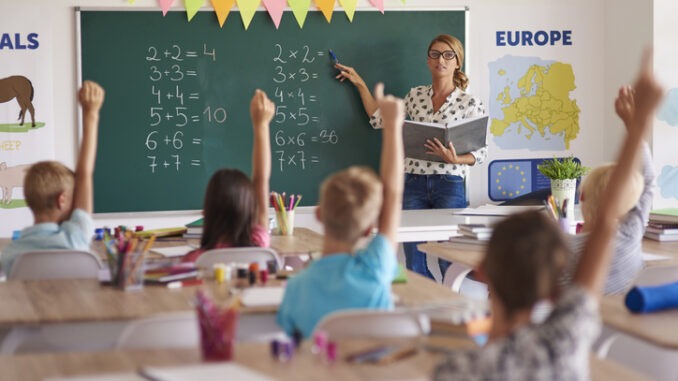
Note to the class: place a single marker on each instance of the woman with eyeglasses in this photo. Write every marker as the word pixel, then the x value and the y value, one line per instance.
pixel 432 184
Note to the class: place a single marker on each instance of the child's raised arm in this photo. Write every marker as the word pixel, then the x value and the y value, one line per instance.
pixel 261 111
pixel 392 156
pixel 91 97
pixel 593 266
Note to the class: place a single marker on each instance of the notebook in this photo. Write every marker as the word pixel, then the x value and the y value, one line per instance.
pixel 466 135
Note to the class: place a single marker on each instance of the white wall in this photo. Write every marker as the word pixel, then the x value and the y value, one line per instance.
pixel 622 41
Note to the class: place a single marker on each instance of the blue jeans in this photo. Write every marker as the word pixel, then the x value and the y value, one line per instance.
pixel 430 192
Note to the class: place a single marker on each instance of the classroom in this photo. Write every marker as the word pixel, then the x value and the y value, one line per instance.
pixel 68 329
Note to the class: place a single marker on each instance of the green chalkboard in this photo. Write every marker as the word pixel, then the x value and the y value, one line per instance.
pixel 177 96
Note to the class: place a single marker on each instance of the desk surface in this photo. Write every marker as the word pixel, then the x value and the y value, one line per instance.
pixel 303 366
pixel 59 301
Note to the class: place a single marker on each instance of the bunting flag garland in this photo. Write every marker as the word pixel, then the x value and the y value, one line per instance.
pixel 379 4
pixel 192 7
pixel 275 9
pixel 326 7
pixel 349 8
pixel 165 5
pixel 222 8
pixel 300 10
pixel 247 9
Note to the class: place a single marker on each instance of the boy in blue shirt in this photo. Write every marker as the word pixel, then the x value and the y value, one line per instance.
pixel 351 203
pixel 61 200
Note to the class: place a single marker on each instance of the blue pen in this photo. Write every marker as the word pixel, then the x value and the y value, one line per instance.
pixel 334 57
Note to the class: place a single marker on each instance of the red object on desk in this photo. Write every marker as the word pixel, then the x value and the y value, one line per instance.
pixel 184 283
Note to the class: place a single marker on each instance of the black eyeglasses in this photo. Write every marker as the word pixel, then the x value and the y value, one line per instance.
pixel 448 55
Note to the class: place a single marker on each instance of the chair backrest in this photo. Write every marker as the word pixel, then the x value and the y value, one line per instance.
pixel 655 276
pixel 374 324
pixel 239 255
pixel 161 331
pixel 55 264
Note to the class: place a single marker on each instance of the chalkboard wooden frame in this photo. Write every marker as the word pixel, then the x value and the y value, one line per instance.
pixel 122 185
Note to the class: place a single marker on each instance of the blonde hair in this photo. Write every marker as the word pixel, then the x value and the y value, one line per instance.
pixel 460 78
pixel 593 187
pixel 44 182
pixel 350 202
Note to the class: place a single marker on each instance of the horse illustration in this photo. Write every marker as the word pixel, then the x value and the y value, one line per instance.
pixel 21 88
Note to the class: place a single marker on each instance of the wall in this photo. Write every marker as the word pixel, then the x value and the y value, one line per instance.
pixel 622 42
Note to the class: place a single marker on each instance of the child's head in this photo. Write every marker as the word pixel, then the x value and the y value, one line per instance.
pixel 350 203
pixel 593 187
pixel 524 259
pixel 48 187
pixel 229 209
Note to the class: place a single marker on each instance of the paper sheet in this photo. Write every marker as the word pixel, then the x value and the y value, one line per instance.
pixel 172 251
pixel 262 296
pixel 647 257
pixel 204 372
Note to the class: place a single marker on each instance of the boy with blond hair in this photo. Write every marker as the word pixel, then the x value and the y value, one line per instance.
pixel 61 200
pixel 351 203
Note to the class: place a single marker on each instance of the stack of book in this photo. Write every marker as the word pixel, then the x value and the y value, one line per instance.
pixel 481 232
pixel 663 225
pixel 194 229
pixel 166 274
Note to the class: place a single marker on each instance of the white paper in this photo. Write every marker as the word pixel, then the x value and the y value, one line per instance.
pixel 228 371
pixel 262 296
pixel 647 257
pixel 172 251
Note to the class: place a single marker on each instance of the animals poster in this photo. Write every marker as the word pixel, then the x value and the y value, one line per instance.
pixel 26 115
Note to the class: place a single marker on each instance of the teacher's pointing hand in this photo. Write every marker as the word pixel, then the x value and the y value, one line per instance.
pixel 347 72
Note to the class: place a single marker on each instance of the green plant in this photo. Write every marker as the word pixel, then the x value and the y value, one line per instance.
pixel 560 169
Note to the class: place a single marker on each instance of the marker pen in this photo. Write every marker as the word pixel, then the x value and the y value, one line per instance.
pixel 333 56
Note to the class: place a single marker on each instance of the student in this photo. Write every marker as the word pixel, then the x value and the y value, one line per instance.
pixel 235 208
pixel 351 203
pixel 60 200
pixel 522 264
pixel 627 258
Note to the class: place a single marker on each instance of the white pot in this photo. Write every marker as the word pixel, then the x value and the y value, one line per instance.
pixel 562 190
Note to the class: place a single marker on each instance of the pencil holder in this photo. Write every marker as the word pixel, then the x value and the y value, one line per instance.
pixel 132 276
pixel 218 327
pixel 285 222
pixel 566 225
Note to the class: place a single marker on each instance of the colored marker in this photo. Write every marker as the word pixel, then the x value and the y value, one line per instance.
pixel 333 56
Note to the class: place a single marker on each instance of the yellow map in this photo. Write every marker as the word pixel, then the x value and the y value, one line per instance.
pixel 543 103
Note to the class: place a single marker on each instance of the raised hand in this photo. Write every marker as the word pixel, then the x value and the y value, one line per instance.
pixel 392 108
pixel 91 96
pixel 262 109
pixel 625 105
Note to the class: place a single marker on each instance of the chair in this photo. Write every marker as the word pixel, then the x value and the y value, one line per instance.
pixel 162 331
pixel 374 324
pixel 55 264
pixel 654 361
pixel 239 254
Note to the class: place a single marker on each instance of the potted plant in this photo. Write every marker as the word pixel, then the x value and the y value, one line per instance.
pixel 563 174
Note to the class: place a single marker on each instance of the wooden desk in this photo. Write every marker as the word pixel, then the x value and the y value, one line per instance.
pixel 658 328
pixel 303 366
pixel 77 300
pixel 304 241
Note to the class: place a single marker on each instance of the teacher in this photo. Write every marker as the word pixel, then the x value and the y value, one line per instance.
pixel 432 184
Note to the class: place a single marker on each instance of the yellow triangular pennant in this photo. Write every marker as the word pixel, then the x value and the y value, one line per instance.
pixel 247 9
pixel 349 8
pixel 222 8
pixel 326 7
pixel 300 10
pixel 192 7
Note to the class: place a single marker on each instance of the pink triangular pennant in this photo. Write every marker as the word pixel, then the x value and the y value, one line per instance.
pixel 165 5
pixel 300 10
pixel 247 9
pixel 222 8
pixel 275 9
pixel 326 7
pixel 192 7
pixel 349 8
pixel 379 4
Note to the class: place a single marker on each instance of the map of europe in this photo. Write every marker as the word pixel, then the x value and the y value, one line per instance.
pixel 531 105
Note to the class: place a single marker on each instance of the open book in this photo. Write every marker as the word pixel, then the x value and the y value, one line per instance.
pixel 466 135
